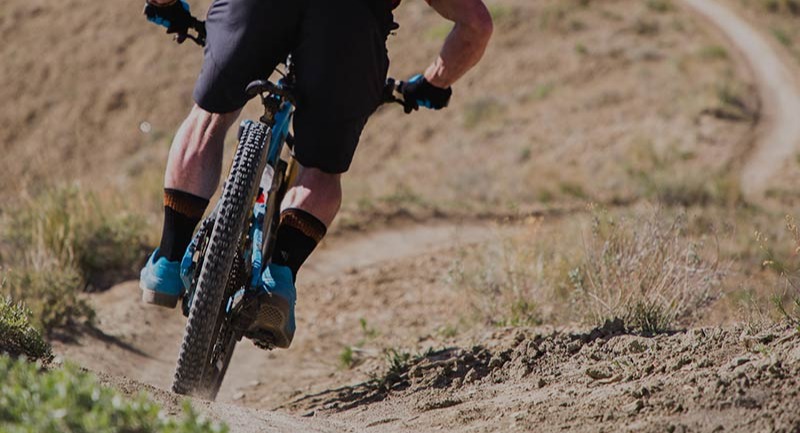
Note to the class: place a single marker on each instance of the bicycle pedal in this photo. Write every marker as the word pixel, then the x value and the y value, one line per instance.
pixel 262 340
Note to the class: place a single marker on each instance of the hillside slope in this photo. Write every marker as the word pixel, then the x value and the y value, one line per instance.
pixel 615 102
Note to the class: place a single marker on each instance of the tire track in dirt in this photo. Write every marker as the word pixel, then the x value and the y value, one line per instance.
pixel 779 136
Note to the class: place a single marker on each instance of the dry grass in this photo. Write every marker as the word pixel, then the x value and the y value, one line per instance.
pixel 645 272
pixel 777 18
pixel 644 268
pixel 786 264
pixel 788 7
pixel 62 242
pixel 518 280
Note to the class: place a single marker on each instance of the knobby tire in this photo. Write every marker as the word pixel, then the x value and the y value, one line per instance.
pixel 207 310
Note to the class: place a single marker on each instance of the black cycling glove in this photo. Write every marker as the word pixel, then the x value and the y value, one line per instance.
pixel 175 16
pixel 418 92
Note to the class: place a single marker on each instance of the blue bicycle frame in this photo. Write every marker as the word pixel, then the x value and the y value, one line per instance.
pixel 277 138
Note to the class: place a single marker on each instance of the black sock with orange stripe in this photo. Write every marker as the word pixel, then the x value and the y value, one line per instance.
pixel 182 212
pixel 299 233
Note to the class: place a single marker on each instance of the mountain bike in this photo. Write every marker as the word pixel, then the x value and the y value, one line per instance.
pixel 221 269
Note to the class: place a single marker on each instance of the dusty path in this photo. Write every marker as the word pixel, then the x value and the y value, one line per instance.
pixel 142 343
pixel 778 86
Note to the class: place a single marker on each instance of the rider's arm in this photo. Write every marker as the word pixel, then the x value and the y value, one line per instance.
pixel 466 43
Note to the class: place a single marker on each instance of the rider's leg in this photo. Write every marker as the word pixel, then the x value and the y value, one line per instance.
pixel 316 192
pixel 193 171
pixel 195 159
pixel 192 176
pixel 340 66
pixel 308 208
pixel 307 211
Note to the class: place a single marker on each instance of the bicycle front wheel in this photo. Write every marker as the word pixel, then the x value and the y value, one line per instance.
pixel 199 371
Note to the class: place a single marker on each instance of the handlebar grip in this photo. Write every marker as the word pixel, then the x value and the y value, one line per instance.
pixel 199 27
pixel 260 86
pixel 393 93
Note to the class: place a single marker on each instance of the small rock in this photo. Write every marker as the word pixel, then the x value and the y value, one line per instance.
pixel 636 347
pixel 496 362
pixel 680 363
pixel 471 376
pixel 238 396
pixel 598 374
pixel 634 407
pixel 574 347
pixel 641 392
pixel 541 383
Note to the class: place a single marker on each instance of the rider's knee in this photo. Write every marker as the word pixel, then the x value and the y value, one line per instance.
pixel 310 176
pixel 211 123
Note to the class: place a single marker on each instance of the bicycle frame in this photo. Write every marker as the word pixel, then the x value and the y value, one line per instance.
pixel 279 132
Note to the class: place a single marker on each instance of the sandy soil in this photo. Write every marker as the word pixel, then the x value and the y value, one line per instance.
pixel 526 379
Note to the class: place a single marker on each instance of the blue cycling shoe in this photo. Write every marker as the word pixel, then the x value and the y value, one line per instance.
pixel 160 281
pixel 274 324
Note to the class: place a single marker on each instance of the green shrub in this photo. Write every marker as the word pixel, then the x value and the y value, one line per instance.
pixel 69 400
pixel 51 292
pixel 17 336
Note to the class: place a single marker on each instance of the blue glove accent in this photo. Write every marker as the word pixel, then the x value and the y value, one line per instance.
pixel 418 92
pixel 421 102
pixel 415 78
pixel 160 21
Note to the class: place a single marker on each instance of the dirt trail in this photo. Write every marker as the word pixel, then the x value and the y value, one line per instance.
pixel 139 344
pixel 778 86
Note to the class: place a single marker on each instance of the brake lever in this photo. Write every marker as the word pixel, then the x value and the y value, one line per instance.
pixel 390 92
pixel 199 27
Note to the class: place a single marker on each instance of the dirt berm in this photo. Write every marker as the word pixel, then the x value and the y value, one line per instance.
pixel 543 380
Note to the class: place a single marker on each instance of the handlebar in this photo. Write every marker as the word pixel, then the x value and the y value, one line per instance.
pixel 393 93
pixel 199 38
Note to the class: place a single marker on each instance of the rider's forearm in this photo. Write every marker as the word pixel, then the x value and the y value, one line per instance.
pixel 465 45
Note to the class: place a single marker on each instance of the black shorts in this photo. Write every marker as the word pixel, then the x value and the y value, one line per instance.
pixel 339 51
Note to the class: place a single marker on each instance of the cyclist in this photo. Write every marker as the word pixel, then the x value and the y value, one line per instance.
pixel 339 52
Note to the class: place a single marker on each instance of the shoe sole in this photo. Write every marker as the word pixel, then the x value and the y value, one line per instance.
pixel 160 299
pixel 271 319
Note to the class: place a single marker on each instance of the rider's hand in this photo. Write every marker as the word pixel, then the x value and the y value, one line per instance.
pixel 175 16
pixel 418 92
